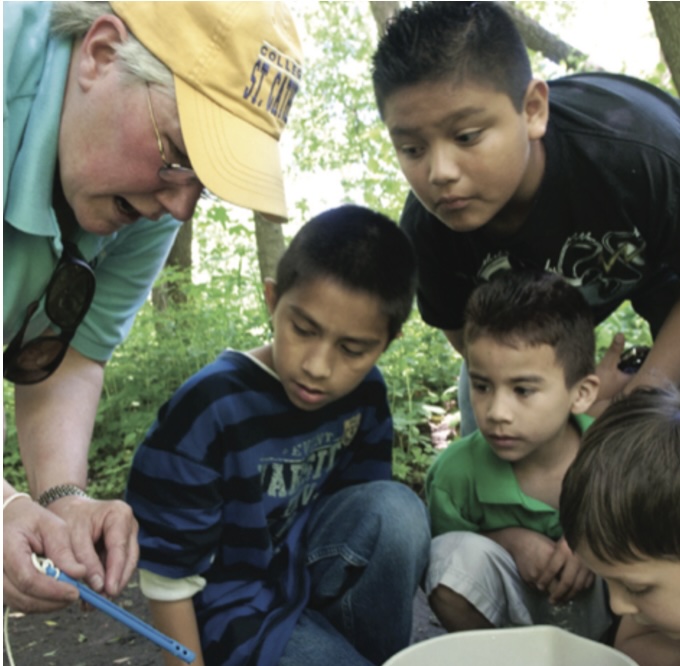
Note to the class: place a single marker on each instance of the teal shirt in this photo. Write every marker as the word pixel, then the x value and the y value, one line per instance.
pixel 469 488
pixel 35 68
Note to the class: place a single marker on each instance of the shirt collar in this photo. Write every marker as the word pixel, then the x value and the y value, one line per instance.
pixel 496 481
pixel 29 197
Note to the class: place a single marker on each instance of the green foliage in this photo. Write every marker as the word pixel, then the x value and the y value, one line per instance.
pixel 12 468
pixel 421 370
pixel 348 137
pixel 622 320
pixel 165 349
pixel 225 309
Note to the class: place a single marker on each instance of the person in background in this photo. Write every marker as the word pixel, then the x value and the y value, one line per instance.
pixel 116 118
pixel 498 556
pixel 620 511
pixel 578 176
pixel 270 529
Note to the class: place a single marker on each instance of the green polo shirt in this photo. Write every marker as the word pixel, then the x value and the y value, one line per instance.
pixel 469 488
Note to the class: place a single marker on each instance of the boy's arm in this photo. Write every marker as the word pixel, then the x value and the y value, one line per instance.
pixel 646 645
pixel 565 575
pixel 662 364
pixel 550 567
pixel 530 550
pixel 661 367
pixel 177 619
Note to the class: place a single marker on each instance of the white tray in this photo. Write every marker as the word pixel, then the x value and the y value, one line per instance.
pixel 522 646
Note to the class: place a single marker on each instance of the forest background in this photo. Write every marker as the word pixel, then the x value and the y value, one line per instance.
pixel 209 296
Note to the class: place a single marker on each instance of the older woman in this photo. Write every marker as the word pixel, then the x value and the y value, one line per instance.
pixel 116 117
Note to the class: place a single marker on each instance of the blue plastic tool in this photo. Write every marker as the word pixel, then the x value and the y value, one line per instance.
pixel 116 612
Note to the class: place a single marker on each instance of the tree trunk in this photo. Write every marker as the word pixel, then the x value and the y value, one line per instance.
pixel 180 258
pixel 537 38
pixel 534 35
pixel 382 13
pixel 270 245
pixel 666 16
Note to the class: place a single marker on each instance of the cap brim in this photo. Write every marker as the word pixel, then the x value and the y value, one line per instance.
pixel 233 159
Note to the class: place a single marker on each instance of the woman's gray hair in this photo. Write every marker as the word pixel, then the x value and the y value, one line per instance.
pixel 72 20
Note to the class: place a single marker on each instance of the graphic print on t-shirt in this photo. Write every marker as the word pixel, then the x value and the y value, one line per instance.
pixel 603 269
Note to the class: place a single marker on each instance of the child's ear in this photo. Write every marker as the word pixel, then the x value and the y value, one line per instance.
pixel 270 296
pixel 536 109
pixel 586 390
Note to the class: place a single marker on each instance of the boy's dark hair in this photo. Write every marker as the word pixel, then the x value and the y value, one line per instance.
pixel 360 249
pixel 474 42
pixel 535 308
pixel 621 495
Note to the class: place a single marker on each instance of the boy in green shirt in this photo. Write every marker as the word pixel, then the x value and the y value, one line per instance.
pixel 498 557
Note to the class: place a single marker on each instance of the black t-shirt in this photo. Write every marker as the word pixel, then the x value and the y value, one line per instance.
pixel 606 216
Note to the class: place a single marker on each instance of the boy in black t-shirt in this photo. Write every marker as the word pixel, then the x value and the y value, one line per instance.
pixel 579 176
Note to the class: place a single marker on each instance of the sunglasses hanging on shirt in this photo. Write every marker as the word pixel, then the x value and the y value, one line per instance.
pixel 67 299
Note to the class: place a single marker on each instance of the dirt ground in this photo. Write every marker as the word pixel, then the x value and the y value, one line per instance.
pixel 77 637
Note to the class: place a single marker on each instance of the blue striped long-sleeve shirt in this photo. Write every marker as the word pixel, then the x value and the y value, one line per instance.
pixel 223 486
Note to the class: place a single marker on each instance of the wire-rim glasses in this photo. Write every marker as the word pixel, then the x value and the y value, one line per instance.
pixel 172 173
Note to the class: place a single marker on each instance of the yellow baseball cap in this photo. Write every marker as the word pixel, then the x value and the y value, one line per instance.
pixel 237 68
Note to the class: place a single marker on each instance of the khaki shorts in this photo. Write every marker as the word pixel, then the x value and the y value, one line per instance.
pixel 483 572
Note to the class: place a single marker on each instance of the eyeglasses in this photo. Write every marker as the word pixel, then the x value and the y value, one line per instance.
pixel 67 299
pixel 175 174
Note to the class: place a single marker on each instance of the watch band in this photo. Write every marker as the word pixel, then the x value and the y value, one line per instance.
pixel 57 492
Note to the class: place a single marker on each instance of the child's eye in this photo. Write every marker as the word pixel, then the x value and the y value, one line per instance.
pixel 523 391
pixel 303 332
pixel 479 387
pixel 469 137
pixel 412 152
pixel 352 353
pixel 638 591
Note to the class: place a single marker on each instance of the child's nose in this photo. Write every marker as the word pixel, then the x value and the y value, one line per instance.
pixel 621 602
pixel 444 167
pixel 318 362
pixel 498 409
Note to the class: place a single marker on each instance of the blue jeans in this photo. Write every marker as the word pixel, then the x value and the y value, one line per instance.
pixel 367 550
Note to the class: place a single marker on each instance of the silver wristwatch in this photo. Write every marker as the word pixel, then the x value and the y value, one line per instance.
pixel 57 492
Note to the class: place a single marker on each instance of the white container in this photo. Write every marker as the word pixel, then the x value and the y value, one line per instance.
pixel 521 646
